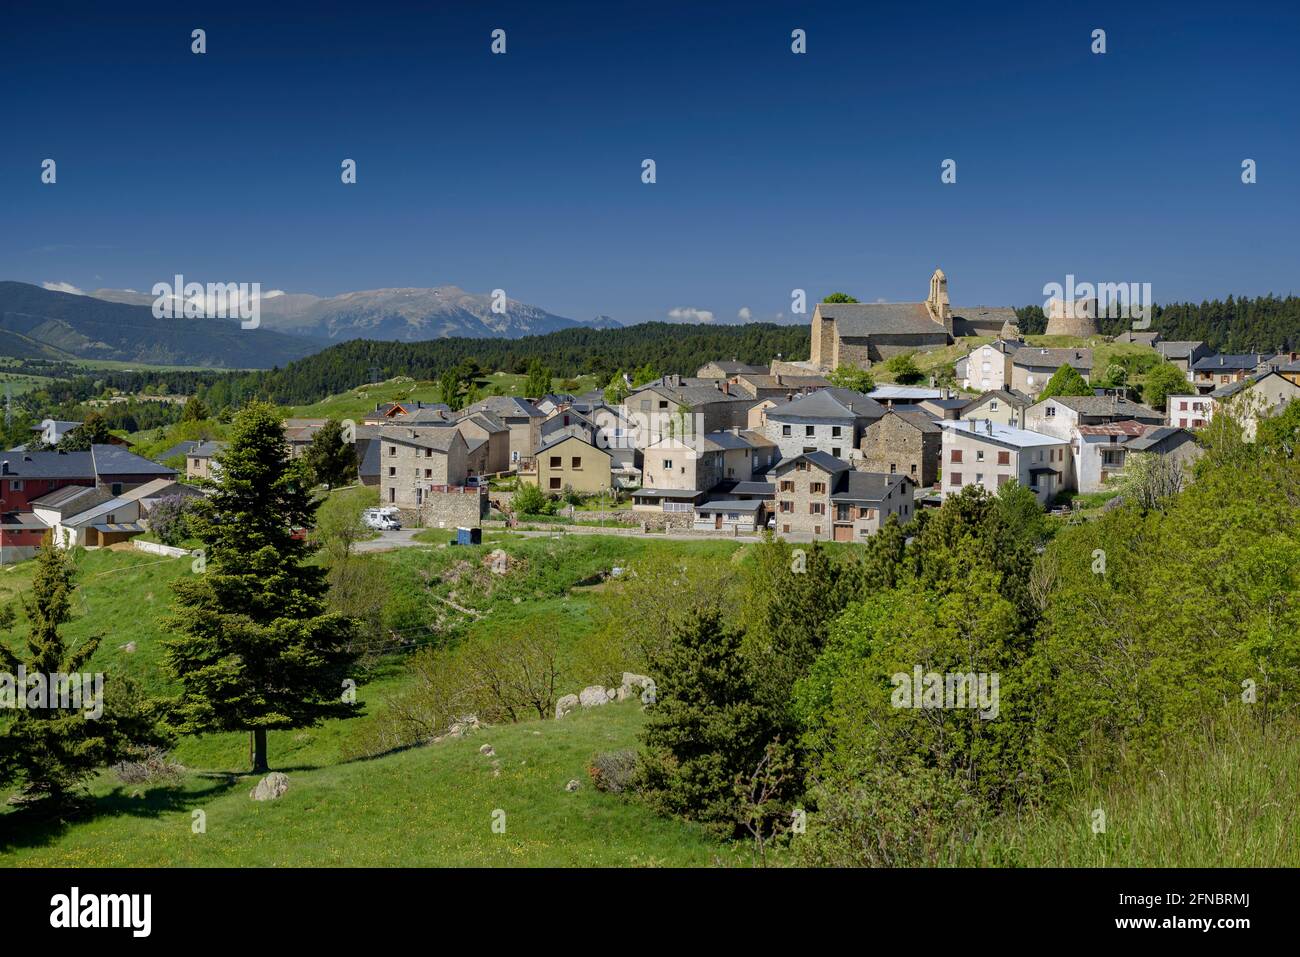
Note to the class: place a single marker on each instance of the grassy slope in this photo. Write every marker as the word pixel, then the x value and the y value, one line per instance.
pixel 366 812
pixel 426 806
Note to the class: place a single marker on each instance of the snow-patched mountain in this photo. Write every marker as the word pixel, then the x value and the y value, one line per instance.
pixel 405 315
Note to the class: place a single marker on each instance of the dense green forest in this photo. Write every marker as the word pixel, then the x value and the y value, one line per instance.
pixel 1263 324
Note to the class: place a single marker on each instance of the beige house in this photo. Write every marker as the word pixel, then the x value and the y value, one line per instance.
pixel 1000 405
pixel 416 461
pixel 200 462
pixel 674 464
pixel 1032 368
pixel 1260 396
pixel 522 418
pixel 987 367
pixel 488 440
pixel 568 463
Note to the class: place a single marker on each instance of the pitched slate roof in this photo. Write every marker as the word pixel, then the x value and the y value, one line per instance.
pixel 438 438
pixel 855 486
pixel 115 460
pixel 205 450
pixel 731 505
pixel 1159 436
pixel 1232 388
pixel 731 367
pixel 828 404
pixel 1012 397
pixel 1111 405
pixel 52 464
pixel 823 460
pixel 753 488
pixel 505 406
pixel 72 499
pixel 180 448
pixel 1228 363
pixel 1178 349
pixel 1043 358
pixel 857 320
pixel 566 437
pixel 918 420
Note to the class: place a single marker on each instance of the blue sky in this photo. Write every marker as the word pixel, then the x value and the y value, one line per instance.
pixel 775 170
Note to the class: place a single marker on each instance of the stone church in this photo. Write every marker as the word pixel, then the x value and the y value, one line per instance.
pixel 860 333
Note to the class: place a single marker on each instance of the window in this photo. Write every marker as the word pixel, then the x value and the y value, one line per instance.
pixel 392 450
pixel 801 466
pixel 893 467
pixel 15 485
pixel 816 508
pixel 1182 423
pixel 817 488
pixel 787 486
pixel 1004 458
pixel 668 465
pixel 979 455
pixel 392 471
pixel 428 453
pixel 956 456
pixel 785 506
pixel 555 482
pixel 785 529
pixel 557 462
pixel 1050 412
pixel 392 495
pixel 419 496
pixel 1003 480
pixel 428 473
pixel 817 529
pixel 835 432
pixel 843 513
pixel 993 405
pixel 785 430
pixel 1182 406
pixel 835 452
pixel 864 512
pixel 575 462
pixel 979 478
pixel 913 468
pixel 809 430
pixel 954 479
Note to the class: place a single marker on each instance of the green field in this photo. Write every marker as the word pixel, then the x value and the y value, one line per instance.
pixel 357 402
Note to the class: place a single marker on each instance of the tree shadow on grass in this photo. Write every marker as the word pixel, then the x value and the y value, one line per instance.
pixel 35 825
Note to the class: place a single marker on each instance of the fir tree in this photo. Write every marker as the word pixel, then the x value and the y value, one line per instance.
pixel 330 457
pixel 257 649
pixel 706 733
pixel 59 739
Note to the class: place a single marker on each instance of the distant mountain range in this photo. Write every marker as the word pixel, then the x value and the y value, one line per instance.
pixel 397 315
pixel 38 323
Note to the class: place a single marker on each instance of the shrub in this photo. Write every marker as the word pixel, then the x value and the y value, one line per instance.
pixel 169 519
pixel 531 500
pixel 613 771
pixel 891 818
pixel 147 765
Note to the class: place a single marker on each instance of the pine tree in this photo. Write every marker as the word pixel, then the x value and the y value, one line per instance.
pixel 706 731
pixel 330 458
pixel 257 649
pixel 50 746
pixel 195 410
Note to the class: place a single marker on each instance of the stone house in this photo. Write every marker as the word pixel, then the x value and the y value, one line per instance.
pixel 1214 372
pixel 673 406
pixel 724 369
pixel 903 443
pixel 829 420
pixel 413 461
pixel 820 497
pixel 673 463
pixel 1183 353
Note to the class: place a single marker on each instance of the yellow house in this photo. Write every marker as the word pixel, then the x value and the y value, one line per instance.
pixel 568 462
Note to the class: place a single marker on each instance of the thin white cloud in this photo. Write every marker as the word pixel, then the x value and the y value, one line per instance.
pixel 63 287
pixel 744 315
pixel 690 314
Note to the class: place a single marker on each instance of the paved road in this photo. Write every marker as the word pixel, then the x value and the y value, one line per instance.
pixel 401 538
pixel 405 537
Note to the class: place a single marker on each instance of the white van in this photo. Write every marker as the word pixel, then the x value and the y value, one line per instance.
pixel 381 519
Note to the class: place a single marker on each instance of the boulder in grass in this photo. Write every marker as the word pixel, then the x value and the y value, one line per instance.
pixel 592 696
pixel 270 788
pixel 565 705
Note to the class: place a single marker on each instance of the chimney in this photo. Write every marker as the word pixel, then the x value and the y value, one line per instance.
pixel 4 469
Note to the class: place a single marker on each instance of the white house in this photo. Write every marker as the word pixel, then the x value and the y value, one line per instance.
pixel 1189 411
pixel 989 454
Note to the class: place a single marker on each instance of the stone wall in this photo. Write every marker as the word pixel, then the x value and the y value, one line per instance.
pixel 448 510
pixel 893 441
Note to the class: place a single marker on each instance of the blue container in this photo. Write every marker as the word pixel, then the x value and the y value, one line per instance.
pixel 469 536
